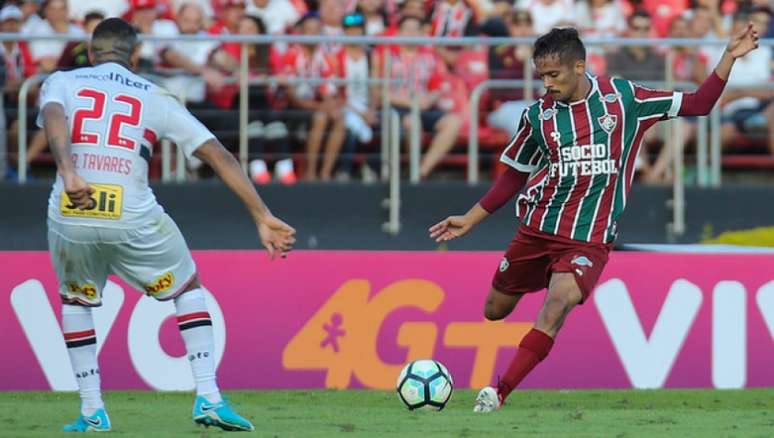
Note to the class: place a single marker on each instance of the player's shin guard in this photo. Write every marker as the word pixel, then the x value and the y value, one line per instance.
pixel 534 347
pixel 81 342
pixel 195 326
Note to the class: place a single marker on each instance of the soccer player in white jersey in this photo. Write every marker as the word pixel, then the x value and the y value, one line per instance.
pixel 101 123
pixel 574 154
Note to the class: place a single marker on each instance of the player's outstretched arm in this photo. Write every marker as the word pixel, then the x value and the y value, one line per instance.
pixel 55 126
pixel 276 235
pixel 506 186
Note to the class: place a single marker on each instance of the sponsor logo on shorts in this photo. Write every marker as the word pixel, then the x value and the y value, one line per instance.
pixel 87 290
pixel 582 261
pixel 504 265
pixel 107 198
pixel 162 284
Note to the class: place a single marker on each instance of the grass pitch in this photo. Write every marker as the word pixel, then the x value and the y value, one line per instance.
pixel 702 413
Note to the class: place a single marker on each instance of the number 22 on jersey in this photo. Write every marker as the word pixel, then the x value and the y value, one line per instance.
pixel 97 112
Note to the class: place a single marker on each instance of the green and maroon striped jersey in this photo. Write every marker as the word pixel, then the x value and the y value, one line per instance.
pixel 581 155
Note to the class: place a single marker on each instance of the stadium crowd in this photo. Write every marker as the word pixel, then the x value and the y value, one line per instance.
pixel 321 130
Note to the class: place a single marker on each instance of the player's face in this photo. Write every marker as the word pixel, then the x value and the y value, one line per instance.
pixel 560 79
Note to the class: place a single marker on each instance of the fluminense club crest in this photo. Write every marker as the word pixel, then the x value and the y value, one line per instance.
pixel 608 122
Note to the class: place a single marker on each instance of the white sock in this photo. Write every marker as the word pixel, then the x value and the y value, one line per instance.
pixel 195 326
pixel 81 341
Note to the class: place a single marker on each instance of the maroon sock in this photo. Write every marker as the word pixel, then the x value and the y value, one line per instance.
pixel 532 350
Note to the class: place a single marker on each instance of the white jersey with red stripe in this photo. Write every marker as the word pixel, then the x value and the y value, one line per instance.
pixel 114 118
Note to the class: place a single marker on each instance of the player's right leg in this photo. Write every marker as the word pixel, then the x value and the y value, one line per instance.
pixel 82 275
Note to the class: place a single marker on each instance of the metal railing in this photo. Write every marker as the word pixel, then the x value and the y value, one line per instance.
pixel 708 161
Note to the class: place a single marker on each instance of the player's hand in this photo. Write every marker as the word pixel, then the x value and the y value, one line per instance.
pixel 78 191
pixel 450 228
pixel 277 236
pixel 744 42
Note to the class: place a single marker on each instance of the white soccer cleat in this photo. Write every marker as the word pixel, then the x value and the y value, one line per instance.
pixel 487 400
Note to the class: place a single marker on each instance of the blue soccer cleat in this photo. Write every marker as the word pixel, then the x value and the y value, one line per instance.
pixel 219 415
pixel 97 422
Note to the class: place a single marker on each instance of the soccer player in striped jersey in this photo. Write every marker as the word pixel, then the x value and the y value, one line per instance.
pixel 574 157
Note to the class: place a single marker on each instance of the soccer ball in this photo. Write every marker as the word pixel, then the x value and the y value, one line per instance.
pixel 425 384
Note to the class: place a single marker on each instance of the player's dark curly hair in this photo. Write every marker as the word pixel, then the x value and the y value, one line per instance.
pixel 564 43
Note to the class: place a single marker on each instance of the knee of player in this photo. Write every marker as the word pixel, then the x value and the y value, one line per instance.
pixel 492 314
pixel 562 303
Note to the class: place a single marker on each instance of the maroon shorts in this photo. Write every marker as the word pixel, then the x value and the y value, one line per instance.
pixel 533 256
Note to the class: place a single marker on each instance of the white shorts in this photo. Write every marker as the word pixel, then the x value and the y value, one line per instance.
pixel 153 258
